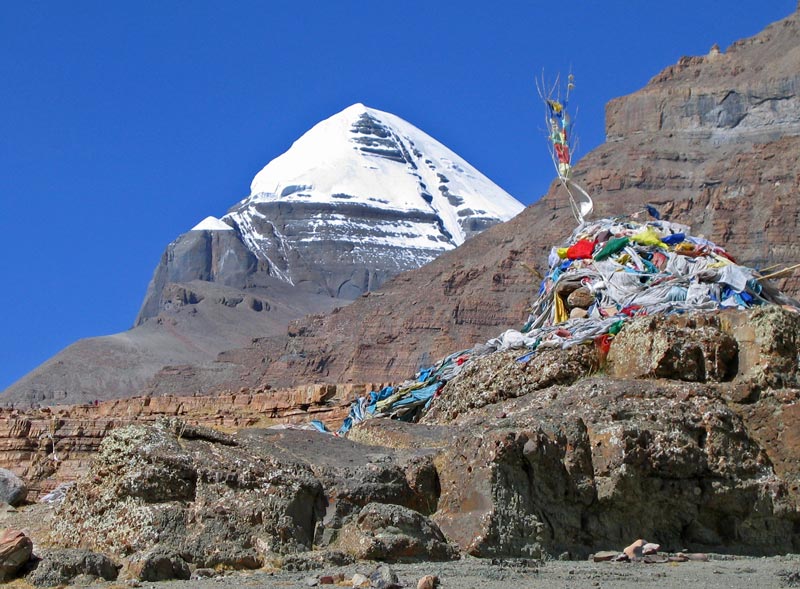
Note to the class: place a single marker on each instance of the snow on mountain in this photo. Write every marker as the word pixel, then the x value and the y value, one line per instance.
pixel 371 187
pixel 211 223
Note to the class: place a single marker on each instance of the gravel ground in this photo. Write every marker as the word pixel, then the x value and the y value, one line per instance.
pixel 730 572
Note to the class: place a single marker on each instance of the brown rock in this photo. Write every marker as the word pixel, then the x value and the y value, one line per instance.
pixel 604 555
pixel 581 297
pixel 15 551
pixel 634 551
pixel 578 313
pixel 428 582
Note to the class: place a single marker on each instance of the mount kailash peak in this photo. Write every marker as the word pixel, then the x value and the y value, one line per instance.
pixel 360 197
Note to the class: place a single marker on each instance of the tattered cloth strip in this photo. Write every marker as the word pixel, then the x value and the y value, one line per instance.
pixel 611 270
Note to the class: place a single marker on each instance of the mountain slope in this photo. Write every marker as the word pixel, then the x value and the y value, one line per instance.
pixel 712 142
pixel 359 198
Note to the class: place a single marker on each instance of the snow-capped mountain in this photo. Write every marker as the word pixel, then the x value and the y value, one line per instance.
pixel 360 197
pixel 365 188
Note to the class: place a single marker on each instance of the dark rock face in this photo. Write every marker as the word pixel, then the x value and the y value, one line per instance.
pixel 212 256
pixel 322 258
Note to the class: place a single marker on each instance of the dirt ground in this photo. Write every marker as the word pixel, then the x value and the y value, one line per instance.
pixel 744 573
pixel 721 571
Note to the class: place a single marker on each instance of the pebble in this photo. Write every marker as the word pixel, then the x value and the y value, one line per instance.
pixel 428 582
pixel 360 580
pixel 604 555
pixel 650 548
pixel 634 551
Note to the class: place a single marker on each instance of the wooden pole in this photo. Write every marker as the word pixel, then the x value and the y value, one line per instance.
pixel 774 274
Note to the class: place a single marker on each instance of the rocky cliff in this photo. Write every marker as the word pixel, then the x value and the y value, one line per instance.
pixel 711 142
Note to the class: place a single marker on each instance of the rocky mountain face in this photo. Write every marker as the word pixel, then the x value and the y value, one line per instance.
pixel 711 142
pixel 359 198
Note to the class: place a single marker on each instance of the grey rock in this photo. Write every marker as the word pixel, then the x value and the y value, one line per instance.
pixel 13 489
pixel 383 577
pixel 394 533
pixel 313 560
pixel 60 566
pixel 198 574
pixel 218 256
pixel 159 564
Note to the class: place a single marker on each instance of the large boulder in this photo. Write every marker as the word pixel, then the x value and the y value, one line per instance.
pixel 193 491
pixel 394 533
pixel 159 564
pixel 61 566
pixel 692 348
pixel 13 489
pixel 581 467
pixel 15 550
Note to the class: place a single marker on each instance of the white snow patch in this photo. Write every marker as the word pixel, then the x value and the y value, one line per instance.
pixel 328 161
pixel 211 223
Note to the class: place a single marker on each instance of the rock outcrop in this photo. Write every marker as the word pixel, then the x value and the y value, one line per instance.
pixel 508 463
pixel 237 501
pixel 55 445
pixel 60 567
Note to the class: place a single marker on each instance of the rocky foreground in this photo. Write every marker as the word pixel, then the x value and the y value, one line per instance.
pixel 685 434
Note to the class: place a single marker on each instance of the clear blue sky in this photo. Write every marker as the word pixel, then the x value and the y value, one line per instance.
pixel 125 123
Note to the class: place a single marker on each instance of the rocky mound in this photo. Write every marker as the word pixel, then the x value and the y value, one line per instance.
pixel 508 463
